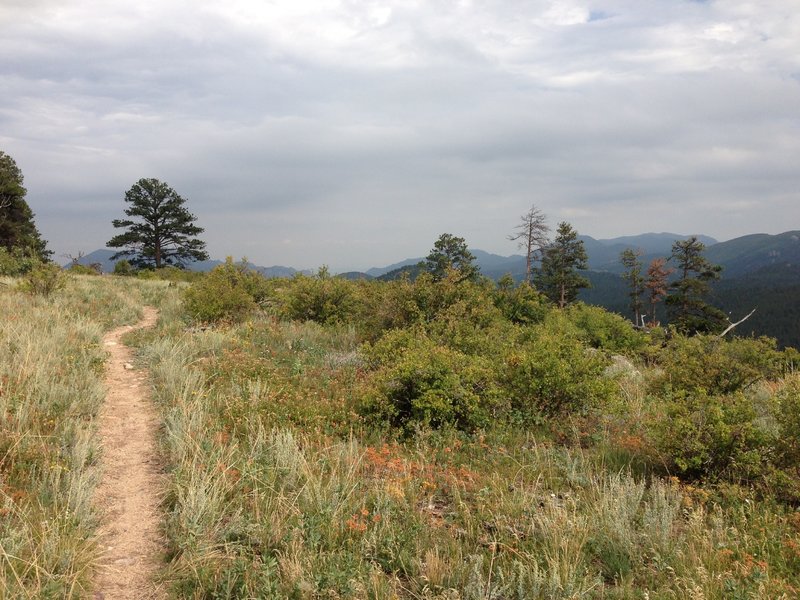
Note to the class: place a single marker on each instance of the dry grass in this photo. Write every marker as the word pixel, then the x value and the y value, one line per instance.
pixel 51 386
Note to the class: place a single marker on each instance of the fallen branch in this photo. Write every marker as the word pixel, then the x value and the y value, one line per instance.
pixel 732 325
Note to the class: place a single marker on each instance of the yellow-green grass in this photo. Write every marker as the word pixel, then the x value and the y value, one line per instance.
pixel 51 387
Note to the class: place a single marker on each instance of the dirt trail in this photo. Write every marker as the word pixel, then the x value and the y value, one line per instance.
pixel 130 488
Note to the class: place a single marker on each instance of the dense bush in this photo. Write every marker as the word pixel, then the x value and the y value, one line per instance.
pixel 695 434
pixel 322 299
pixel 79 269
pixel 715 365
pixel 606 330
pixel 521 304
pixel 16 262
pixel 43 279
pixel 419 383
pixel 228 293
pixel 124 268
pixel 551 372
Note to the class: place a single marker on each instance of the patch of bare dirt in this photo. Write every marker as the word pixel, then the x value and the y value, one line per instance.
pixel 131 485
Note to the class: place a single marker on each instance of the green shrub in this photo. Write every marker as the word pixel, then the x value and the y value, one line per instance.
pixel 552 372
pixel 16 262
pixel 322 299
pixel 788 419
pixel 696 434
pixel 124 268
pixel 522 304
pixel 419 383
pixel 43 279
pixel 79 269
pixel 472 324
pixel 716 365
pixel 605 330
pixel 224 294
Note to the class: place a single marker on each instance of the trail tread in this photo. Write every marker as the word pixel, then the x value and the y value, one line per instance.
pixel 131 484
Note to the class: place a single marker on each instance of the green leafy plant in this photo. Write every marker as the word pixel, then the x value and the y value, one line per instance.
pixel 702 435
pixel 551 372
pixel 322 299
pixel 419 383
pixel 43 280
pixel 227 293
pixel 605 330
pixel 715 365
pixel 123 268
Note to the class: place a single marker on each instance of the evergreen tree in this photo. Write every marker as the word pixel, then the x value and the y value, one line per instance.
pixel 686 304
pixel 164 232
pixel 18 232
pixel 558 277
pixel 631 260
pixel 450 252
pixel 657 284
pixel 531 236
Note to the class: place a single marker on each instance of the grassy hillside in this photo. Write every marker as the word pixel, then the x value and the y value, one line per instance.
pixel 328 438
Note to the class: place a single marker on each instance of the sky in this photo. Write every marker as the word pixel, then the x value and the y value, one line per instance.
pixel 353 133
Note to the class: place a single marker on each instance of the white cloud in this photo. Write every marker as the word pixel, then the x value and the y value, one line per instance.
pixel 335 130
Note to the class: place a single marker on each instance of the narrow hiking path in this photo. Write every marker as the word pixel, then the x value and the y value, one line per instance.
pixel 130 488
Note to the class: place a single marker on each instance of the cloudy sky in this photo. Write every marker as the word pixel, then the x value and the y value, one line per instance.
pixel 353 133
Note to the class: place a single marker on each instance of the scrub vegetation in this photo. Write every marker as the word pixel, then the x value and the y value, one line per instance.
pixel 442 438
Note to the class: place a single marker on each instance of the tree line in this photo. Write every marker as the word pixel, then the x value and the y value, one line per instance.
pixel 159 231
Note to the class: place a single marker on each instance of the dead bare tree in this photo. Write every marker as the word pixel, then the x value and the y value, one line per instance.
pixel 531 235
pixel 733 325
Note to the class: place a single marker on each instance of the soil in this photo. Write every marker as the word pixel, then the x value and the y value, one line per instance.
pixel 132 481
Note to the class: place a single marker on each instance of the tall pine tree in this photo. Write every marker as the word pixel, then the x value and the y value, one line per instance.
pixel 558 276
pixel 18 232
pixel 163 233
pixel 631 260
pixel 686 305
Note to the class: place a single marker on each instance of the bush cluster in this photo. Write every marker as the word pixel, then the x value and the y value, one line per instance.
pixel 229 292
pixel 450 353
pixel 43 279
pixel 420 383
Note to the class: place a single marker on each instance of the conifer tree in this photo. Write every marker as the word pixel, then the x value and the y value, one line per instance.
pixel 657 284
pixel 688 310
pixel 18 232
pixel 450 252
pixel 164 232
pixel 631 260
pixel 558 277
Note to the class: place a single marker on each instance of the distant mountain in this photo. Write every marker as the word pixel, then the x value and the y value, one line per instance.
pixel 604 254
pixel 654 243
pixel 750 253
pixel 103 258
pixel 378 271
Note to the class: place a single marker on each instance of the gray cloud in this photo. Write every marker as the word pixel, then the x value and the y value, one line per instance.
pixel 354 132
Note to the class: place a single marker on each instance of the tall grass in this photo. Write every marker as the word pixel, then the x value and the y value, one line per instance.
pixel 51 386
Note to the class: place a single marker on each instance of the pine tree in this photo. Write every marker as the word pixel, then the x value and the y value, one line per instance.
pixel 450 253
pixel 164 232
pixel 558 277
pixel 688 310
pixel 631 260
pixel 18 232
